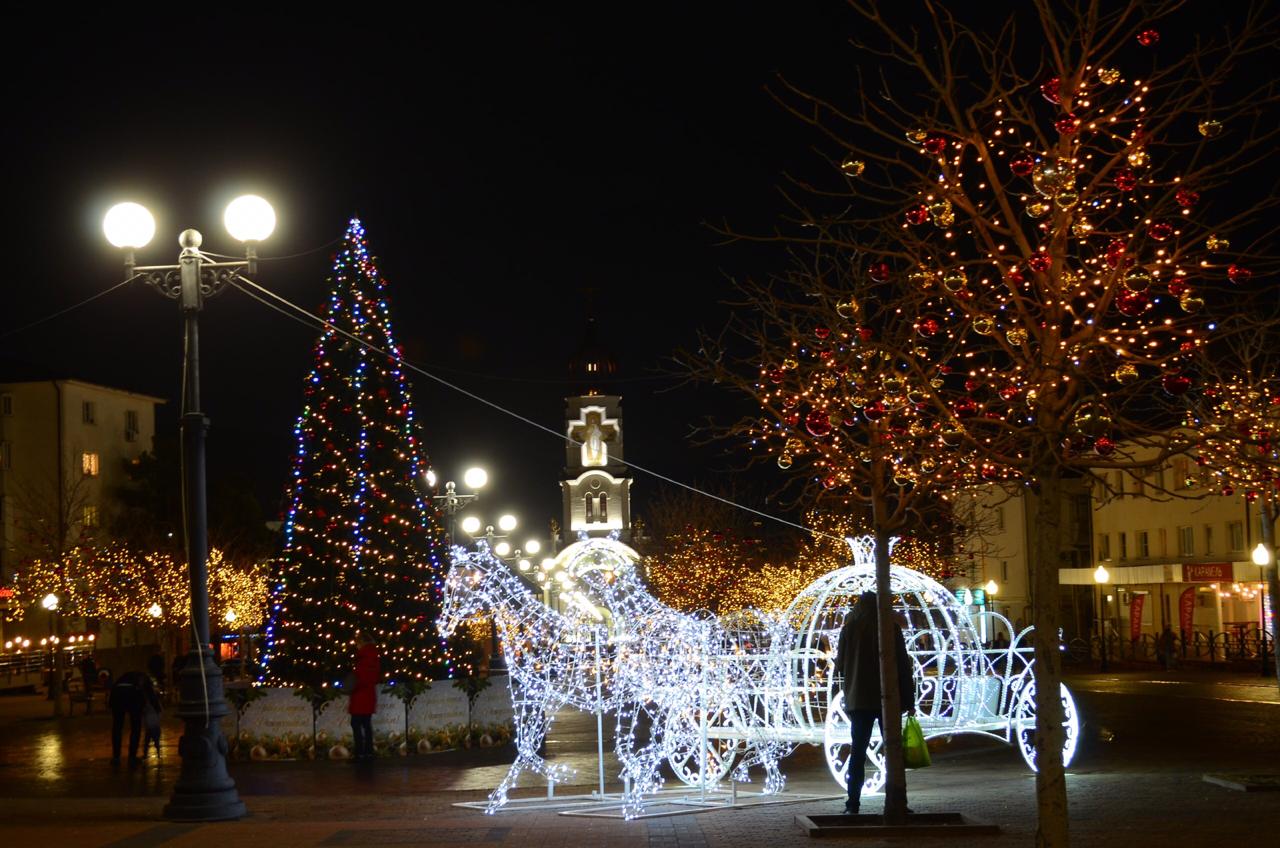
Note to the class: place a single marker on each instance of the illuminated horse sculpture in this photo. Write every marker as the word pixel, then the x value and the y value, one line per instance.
pixel 553 658
pixel 681 668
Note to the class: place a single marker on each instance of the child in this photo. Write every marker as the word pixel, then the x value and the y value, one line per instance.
pixel 151 716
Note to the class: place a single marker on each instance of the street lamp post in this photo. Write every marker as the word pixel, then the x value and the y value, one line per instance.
pixel 1263 557
pixel 1101 576
pixel 451 501
pixel 50 603
pixel 204 790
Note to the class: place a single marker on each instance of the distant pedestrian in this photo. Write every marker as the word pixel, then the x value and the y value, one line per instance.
pixel 151 710
pixel 1167 647
pixel 858 662
pixel 126 701
pixel 363 702
pixel 88 672
pixel 155 668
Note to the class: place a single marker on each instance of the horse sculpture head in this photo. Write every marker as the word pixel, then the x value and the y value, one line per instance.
pixel 464 591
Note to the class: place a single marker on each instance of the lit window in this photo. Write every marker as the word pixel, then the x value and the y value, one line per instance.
pixel 91 515
pixel 130 425
pixel 89 412
pixel 89 464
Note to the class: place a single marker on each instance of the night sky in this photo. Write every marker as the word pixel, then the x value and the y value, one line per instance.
pixel 504 162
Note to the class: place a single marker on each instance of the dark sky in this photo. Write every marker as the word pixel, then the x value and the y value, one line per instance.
pixel 503 160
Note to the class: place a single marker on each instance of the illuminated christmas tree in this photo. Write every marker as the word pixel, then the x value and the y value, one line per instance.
pixel 363 547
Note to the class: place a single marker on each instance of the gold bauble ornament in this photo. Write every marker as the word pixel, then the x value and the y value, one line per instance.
pixel 1108 76
pixel 784 462
pixel 1126 373
pixel 1137 280
pixel 790 364
pixel 928 466
pixel 920 350
pixel 937 382
pixel 828 380
pixel 917 135
pixel 945 220
pixel 940 209
pixel 1051 177
pixel 923 279
pixel 1038 209
pixel 1092 420
pixel 1081 228
pixel 1217 243
pixel 984 326
pixel 953 281
pixel 1016 337
pixel 894 385
pixel 858 401
pixel 1066 199
pixel 852 167
pixel 1209 128
pixel 1191 305
pixel 1139 158
pixel 847 309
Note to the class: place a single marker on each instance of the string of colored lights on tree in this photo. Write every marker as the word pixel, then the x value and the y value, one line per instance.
pixel 362 547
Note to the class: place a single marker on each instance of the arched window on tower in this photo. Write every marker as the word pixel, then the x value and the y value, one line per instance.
pixel 589 501
pixel 602 509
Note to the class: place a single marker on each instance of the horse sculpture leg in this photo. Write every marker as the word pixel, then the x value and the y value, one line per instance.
pixel 640 765
pixel 532 720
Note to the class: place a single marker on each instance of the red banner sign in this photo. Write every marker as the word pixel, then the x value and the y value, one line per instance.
pixel 1207 572
pixel 1135 616
pixel 1187 611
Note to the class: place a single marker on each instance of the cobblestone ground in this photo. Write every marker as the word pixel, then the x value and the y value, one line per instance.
pixel 1138 781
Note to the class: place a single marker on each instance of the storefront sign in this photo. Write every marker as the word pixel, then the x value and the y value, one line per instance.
pixel 1207 572
pixel 1187 611
pixel 1135 616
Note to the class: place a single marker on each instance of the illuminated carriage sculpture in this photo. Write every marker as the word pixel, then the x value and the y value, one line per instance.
pixel 727 694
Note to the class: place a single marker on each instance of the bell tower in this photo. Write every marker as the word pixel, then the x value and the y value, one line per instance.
pixel 596 485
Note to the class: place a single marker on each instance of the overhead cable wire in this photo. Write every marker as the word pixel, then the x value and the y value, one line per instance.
pixel 71 308
pixel 316 320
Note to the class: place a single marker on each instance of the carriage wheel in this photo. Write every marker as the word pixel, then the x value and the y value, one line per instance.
pixel 837 744
pixel 686 750
pixel 1024 724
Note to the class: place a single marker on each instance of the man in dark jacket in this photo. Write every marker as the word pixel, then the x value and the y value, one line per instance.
pixel 127 698
pixel 858 663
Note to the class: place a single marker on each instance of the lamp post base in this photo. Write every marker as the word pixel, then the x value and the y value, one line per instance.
pixel 204 791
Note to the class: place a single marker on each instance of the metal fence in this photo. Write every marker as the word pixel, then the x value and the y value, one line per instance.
pixel 1240 645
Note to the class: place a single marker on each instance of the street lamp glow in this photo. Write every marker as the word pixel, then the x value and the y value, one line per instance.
pixel 1261 556
pixel 507 523
pixel 547 563
pixel 502 549
pixel 431 477
pixel 230 616
pixel 992 587
pixel 129 225
pixel 532 546
pixel 249 218
pixel 475 478
pixel 1101 575
pixel 524 565
pixel 155 611
pixel 471 525
pixel 50 602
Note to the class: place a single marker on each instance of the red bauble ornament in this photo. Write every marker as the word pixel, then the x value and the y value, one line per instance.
pixel 821 332
pixel 1160 231
pixel 1022 164
pixel 1250 496
pixel 878 271
pixel 944 369
pixel 1040 262
pixel 875 411
pixel 825 354
pixel 1126 180
pixel 777 375
pixel 1177 288
pixel 1050 90
pixel 1148 38
pixel 1176 384
pixel 1067 125
pixel 1227 491
pixel 1104 446
pixel 1186 197
pixel 972 385
pixel 989 472
pixel 918 215
pixel 1010 392
pixel 928 326
pixel 866 334
pixel 1132 303
pixel 1188 347
pixel 818 423
pixel 1238 273
pixel 830 481
pixel 1115 253
pixel 965 408
pixel 935 144
pixel 1014 278
pixel 964 294
pixel 792 419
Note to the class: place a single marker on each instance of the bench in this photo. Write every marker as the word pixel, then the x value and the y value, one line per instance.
pixel 78 694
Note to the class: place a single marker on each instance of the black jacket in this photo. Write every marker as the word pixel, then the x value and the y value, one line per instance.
pixel 858 662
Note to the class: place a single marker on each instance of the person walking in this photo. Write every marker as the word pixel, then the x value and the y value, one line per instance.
pixel 151 709
pixel 126 700
pixel 363 702
pixel 1167 648
pixel 858 662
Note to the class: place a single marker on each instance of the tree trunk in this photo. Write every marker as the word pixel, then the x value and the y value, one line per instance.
pixel 895 784
pixel 1051 786
pixel 1268 510
pixel 57 669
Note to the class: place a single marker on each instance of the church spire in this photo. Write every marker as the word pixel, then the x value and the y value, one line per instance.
pixel 592 364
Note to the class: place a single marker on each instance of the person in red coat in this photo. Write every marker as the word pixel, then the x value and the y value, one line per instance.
pixel 363 702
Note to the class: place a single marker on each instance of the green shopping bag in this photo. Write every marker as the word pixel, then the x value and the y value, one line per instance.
pixel 915 753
